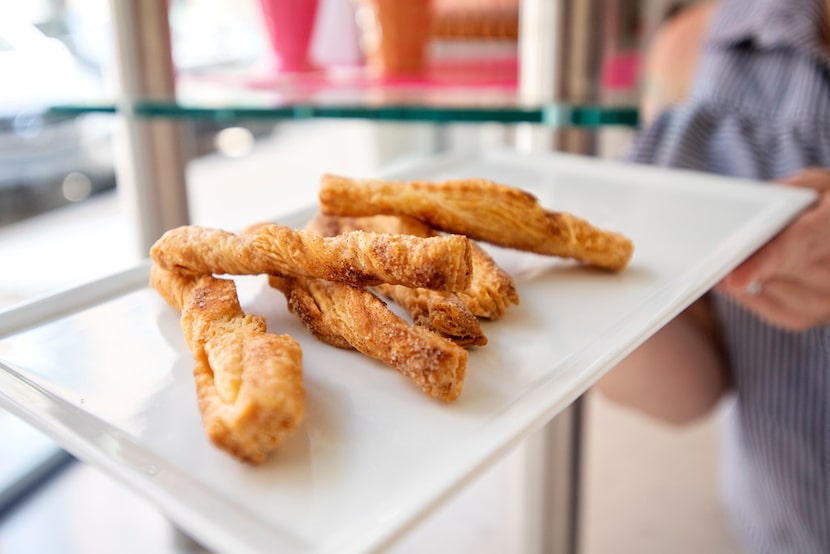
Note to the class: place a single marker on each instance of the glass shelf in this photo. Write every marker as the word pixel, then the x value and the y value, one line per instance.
pixel 551 115
pixel 450 92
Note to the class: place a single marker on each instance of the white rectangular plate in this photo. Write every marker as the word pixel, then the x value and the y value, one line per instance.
pixel 110 379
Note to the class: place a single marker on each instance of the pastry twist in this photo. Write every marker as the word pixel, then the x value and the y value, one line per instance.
pixel 440 311
pixel 490 292
pixel 481 210
pixel 359 258
pixel 353 317
pixel 248 382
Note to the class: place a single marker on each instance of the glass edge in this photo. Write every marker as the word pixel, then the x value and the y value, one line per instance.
pixel 557 115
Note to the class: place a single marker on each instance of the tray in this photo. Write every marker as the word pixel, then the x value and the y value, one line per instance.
pixel 104 370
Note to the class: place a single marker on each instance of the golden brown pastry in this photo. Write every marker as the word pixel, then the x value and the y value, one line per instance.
pixel 481 210
pixel 248 382
pixel 440 311
pixel 353 317
pixel 359 258
pixel 491 288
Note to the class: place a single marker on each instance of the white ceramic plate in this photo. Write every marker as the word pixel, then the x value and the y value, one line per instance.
pixel 109 377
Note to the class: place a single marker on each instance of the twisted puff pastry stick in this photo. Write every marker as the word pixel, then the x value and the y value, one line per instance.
pixel 352 317
pixel 482 210
pixel 491 290
pixel 442 263
pixel 248 382
pixel 440 311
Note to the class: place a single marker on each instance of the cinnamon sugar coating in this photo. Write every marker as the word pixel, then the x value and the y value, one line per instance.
pixel 353 317
pixel 481 210
pixel 359 258
pixel 248 382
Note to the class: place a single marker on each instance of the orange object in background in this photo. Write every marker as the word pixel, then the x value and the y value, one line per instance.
pixel 476 19
pixel 395 35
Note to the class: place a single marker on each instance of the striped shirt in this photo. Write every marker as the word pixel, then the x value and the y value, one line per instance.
pixel 760 108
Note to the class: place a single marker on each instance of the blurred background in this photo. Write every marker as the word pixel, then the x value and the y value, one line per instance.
pixel 648 488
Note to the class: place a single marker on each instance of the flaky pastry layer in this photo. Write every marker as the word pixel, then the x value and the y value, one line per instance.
pixel 490 292
pixel 440 311
pixel 248 382
pixel 481 210
pixel 359 258
pixel 353 317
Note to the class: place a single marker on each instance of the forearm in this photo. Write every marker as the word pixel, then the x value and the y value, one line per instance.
pixel 678 375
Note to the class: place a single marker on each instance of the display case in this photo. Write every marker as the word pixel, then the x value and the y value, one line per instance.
pixel 547 92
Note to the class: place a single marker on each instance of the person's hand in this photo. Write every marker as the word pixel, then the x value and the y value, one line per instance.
pixel 787 281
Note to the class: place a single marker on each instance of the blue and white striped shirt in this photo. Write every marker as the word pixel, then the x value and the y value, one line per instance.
pixel 760 108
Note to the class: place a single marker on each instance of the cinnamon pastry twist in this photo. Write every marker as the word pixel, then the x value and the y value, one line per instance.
pixel 482 210
pixel 248 382
pixel 353 317
pixel 359 258
pixel 440 311
pixel 491 290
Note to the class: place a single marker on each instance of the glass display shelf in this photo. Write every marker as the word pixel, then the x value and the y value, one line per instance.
pixel 550 115
pixel 482 91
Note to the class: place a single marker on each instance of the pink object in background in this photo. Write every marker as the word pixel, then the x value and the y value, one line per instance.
pixel 290 24
pixel 621 70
